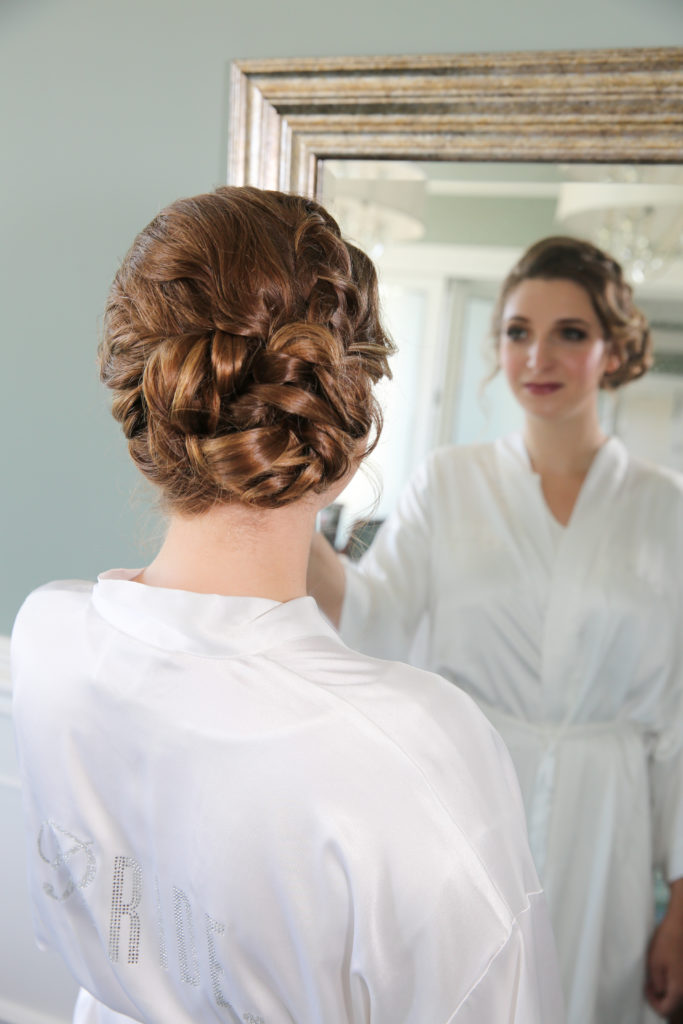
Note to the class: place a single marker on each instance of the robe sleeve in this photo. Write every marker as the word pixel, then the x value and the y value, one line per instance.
pixel 522 983
pixel 387 591
pixel 666 770
pixel 666 775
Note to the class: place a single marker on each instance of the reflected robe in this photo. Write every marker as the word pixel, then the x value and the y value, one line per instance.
pixel 571 640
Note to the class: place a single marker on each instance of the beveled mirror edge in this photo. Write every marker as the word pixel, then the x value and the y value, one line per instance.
pixel 616 106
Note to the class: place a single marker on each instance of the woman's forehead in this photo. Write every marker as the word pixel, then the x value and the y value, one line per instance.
pixel 558 298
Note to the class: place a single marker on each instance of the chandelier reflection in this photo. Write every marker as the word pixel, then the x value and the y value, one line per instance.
pixel 632 212
pixel 377 201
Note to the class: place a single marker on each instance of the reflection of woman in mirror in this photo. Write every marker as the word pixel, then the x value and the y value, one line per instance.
pixel 546 572
pixel 231 815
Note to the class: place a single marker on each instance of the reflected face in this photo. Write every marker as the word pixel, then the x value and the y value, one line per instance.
pixel 552 349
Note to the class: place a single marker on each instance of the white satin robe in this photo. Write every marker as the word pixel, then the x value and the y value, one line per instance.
pixel 233 817
pixel 571 640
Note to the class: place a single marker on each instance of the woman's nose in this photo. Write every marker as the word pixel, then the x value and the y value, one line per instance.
pixel 538 353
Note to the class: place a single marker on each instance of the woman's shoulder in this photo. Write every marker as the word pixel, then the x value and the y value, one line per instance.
pixel 462 454
pixel 431 734
pixel 663 480
pixel 48 604
pixel 453 463
pixel 418 714
pixel 466 474
pixel 55 593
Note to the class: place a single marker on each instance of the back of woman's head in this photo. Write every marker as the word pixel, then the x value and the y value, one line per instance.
pixel 241 342
pixel 602 278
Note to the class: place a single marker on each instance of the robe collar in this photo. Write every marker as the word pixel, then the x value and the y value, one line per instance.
pixel 603 480
pixel 209 625
pixel 560 572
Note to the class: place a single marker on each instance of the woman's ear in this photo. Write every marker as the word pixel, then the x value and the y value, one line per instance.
pixel 613 360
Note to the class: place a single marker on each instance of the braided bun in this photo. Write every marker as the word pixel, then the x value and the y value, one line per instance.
pixel 625 326
pixel 241 342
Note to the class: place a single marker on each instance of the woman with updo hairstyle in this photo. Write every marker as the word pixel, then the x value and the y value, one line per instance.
pixel 601 277
pixel 230 815
pixel 237 374
pixel 543 573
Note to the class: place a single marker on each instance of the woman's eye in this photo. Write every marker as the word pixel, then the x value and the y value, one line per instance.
pixel 515 332
pixel 574 334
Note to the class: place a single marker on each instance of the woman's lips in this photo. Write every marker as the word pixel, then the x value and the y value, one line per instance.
pixel 542 389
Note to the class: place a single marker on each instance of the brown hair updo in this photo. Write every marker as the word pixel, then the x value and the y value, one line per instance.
pixel 241 341
pixel 626 328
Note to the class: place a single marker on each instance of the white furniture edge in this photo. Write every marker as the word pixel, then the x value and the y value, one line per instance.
pixel 15 1013
pixel 5 680
pixel 6 711
pixel 5 686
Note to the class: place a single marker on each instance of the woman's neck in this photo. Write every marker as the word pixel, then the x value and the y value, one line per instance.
pixel 237 551
pixel 563 448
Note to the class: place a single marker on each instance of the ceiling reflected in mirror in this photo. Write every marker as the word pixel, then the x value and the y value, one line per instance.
pixel 635 212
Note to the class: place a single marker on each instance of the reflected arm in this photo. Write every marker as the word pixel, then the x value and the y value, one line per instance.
pixel 387 592
pixel 378 603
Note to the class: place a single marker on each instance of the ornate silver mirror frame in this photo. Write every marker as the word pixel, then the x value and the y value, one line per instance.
pixel 595 106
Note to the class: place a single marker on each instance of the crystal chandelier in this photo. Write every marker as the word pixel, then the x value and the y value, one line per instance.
pixel 633 213
pixel 376 202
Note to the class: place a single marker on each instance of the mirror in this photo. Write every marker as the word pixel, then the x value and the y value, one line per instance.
pixel 464 161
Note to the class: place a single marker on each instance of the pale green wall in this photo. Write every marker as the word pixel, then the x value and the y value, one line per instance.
pixel 110 109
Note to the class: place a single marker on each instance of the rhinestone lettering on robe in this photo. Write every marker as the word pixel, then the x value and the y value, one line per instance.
pixel 121 907
pixel 69 856
pixel 73 860
pixel 163 955
pixel 214 963
pixel 184 929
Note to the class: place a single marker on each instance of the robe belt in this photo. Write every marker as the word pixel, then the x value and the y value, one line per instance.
pixel 550 735
pixel 555 731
